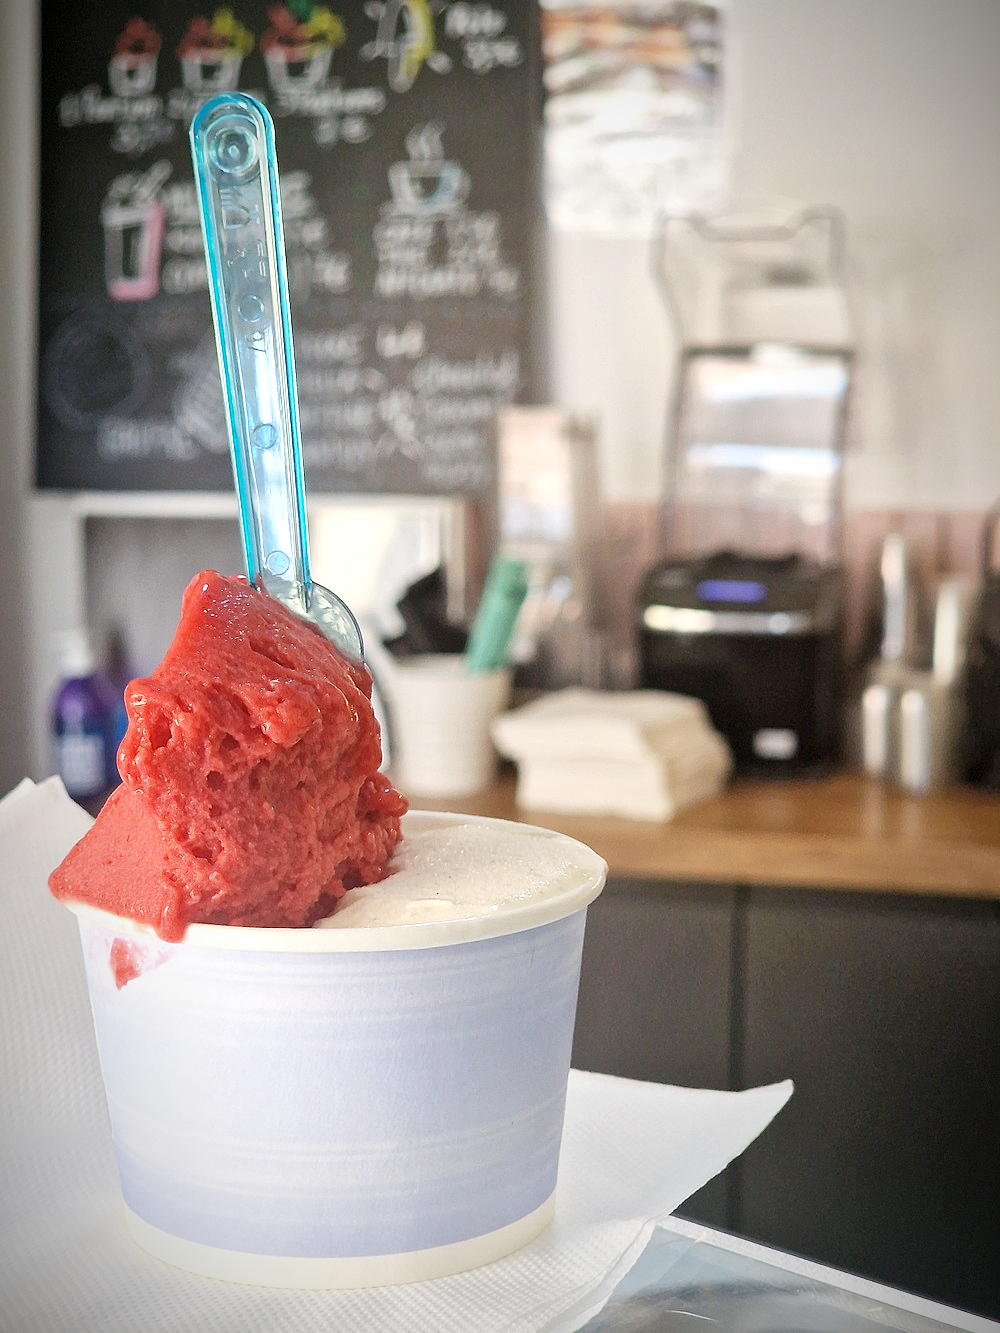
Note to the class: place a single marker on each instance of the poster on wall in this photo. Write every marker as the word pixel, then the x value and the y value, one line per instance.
pixel 635 123
pixel 408 143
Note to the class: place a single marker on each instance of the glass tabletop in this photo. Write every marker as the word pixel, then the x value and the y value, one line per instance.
pixel 690 1277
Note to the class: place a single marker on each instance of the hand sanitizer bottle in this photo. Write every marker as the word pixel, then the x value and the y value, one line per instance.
pixel 83 724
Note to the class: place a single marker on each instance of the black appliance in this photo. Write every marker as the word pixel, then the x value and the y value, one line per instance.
pixel 979 740
pixel 758 640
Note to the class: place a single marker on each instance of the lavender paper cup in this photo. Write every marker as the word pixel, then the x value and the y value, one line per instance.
pixel 338 1108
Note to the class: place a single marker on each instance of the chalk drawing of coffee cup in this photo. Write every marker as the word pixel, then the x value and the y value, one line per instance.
pixel 132 67
pixel 298 50
pixel 211 53
pixel 134 219
pixel 427 184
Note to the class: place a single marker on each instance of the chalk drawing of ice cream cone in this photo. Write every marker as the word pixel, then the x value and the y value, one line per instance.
pixel 211 52
pixel 427 185
pixel 298 46
pixel 133 218
pixel 132 67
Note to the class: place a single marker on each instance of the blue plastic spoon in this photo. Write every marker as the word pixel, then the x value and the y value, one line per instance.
pixel 235 170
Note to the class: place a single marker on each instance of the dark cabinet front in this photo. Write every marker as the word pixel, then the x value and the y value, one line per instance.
pixel 885 1012
pixel 655 995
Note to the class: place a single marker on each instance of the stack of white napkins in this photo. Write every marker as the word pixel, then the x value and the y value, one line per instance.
pixel 641 754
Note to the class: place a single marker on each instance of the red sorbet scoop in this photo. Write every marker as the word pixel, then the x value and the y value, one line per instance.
pixel 250 791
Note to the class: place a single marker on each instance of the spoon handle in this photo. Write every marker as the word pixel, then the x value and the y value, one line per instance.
pixel 232 142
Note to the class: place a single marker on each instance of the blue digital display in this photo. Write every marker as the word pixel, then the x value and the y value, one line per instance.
pixel 731 590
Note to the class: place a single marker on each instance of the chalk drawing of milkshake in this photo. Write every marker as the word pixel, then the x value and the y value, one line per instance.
pixel 133 218
pixel 132 67
pixel 299 45
pixel 405 39
pixel 211 52
pixel 427 185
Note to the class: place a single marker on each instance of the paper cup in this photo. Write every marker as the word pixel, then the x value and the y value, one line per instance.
pixel 343 1107
pixel 440 725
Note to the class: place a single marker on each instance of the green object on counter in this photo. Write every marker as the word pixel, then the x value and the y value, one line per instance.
pixel 493 625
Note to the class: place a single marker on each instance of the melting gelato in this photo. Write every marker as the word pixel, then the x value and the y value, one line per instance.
pixel 251 793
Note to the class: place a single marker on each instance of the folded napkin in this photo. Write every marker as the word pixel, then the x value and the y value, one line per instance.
pixel 632 1153
pixel 644 789
pixel 638 754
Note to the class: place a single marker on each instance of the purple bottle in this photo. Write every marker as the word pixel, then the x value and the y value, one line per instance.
pixel 83 725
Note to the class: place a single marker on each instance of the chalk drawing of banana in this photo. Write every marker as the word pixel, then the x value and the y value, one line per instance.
pixel 405 39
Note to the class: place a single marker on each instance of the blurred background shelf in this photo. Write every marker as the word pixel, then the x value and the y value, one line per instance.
pixel 843 831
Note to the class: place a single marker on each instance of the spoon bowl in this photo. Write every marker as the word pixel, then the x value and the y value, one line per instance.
pixel 235 170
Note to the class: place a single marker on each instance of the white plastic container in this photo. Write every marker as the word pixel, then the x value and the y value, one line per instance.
pixel 441 719
pixel 342 1107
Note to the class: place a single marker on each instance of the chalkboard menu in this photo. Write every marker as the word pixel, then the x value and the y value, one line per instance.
pixel 408 138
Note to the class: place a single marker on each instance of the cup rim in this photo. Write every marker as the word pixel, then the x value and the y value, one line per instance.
pixel 376 939
pixel 450 664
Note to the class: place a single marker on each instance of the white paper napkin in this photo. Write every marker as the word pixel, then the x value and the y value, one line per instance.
pixel 632 1152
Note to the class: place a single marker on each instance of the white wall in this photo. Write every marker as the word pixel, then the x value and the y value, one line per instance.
pixel 889 110
pixel 17 250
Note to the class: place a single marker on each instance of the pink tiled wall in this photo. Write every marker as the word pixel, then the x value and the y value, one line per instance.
pixel 631 539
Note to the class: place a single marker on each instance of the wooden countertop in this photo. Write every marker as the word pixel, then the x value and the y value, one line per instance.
pixel 843 831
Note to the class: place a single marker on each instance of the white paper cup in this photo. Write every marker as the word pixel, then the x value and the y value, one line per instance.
pixel 441 715
pixel 338 1108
